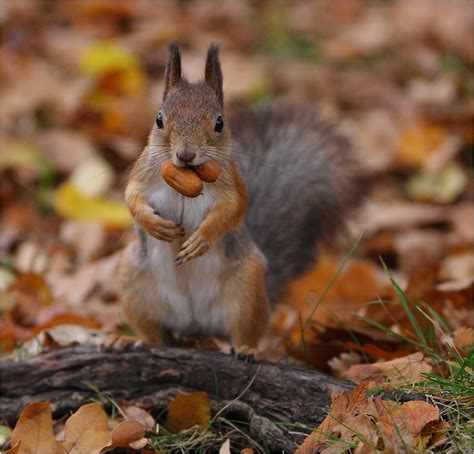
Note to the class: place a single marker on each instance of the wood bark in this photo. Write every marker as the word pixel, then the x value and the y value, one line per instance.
pixel 262 394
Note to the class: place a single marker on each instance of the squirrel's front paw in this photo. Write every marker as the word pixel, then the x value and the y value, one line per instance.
pixel 196 245
pixel 160 228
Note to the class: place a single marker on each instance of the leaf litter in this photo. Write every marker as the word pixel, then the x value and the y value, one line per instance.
pixel 77 105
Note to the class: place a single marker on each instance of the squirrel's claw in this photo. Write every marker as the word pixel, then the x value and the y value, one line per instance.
pixel 196 245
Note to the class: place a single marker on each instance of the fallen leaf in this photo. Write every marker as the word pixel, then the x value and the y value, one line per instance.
pixel 62 336
pixel 397 372
pixel 225 448
pixel 188 410
pixel 86 430
pixel 93 177
pixel 134 413
pixel 34 431
pixel 127 432
pixel 344 405
pixel 464 338
pixel 140 443
pixel 417 143
pixel 30 292
pixel 247 451
pixel 443 186
pixel 418 414
pixel 117 70
pixel 401 425
pixel 70 203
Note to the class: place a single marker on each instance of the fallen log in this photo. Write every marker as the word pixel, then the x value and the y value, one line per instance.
pixel 263 394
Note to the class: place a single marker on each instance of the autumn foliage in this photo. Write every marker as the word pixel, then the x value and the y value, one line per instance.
pixel 80 84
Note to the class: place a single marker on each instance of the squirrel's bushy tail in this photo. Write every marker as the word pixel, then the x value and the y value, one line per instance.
pixel 302 181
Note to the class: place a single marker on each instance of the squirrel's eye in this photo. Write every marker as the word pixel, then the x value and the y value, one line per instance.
pixel 159 120
pixel 219 124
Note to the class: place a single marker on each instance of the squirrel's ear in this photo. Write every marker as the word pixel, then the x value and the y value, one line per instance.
pixel 213 73
pixel 173 68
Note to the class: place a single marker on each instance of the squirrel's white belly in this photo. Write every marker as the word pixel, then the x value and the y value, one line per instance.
pixel 186 294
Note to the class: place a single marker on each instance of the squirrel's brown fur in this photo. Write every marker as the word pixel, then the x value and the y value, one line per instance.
pixel 195 267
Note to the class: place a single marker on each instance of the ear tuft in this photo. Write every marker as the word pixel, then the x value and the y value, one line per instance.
pixel 213 73
pixel 173 68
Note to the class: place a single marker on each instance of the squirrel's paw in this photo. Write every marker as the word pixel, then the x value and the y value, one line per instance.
pixel 161 229
pixel 196 245
pixel 244 353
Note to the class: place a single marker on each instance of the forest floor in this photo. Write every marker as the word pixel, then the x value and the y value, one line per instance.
pixel 391 307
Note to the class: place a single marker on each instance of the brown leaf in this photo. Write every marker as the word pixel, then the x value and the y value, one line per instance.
pixel 127 432
pixel 344 405
pixel 418 414
pixel 399 371
pixel 401 425
pixel 188 410
pixel 464 338
pixel 34 431
pixel 86 431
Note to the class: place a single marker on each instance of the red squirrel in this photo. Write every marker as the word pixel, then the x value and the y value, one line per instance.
pixel 210 265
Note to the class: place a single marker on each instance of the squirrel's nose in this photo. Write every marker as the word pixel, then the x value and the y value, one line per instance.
pixel 186 156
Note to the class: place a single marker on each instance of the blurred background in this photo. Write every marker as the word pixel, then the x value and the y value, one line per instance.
pixel 81 83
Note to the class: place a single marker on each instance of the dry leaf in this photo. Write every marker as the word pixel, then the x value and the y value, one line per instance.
pixel 401 425
pixel 418 143
pixel 134 413
pixel 93 177
pixel 34 431
pixel 62 336
pixel 127 432
pixel 443 186
pixel 188 410
pixel 225 448
pixel 397 372
pixel 464 338
pixel 86 431
pixel 247 451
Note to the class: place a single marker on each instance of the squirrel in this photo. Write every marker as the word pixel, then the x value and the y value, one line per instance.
pixel 211 265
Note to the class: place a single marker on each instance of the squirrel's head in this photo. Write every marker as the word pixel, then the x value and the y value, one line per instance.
pixel 191 124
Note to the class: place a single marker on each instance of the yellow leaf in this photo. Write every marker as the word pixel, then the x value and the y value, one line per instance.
pixel 86 431
pixel 34 431
pixel 71 203
pixel 119 71
pixel 187 411
pixel 418 143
